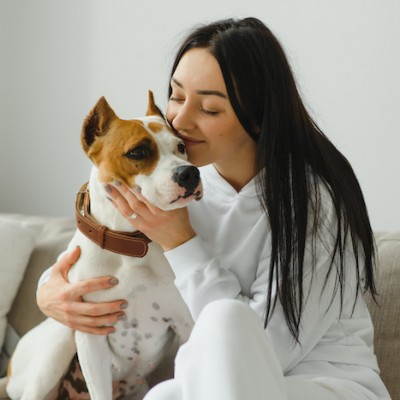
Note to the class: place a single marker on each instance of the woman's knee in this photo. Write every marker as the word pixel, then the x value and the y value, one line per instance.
pixel 225 310
pixel 226 316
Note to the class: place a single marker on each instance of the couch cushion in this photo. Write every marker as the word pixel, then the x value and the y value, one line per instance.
pixel 52 237
pixel 16 245
pixel 385 314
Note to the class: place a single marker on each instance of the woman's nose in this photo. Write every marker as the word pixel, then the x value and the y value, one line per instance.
pixel 182 117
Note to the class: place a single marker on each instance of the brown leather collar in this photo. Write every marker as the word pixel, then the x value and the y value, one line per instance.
pixel 134 244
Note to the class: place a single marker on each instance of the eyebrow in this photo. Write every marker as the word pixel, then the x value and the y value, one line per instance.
pixel 201 92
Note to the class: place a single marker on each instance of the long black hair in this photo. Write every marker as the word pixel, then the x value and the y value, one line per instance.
pixel 293 157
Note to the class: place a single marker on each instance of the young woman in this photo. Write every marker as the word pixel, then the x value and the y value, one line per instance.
pixel 273 261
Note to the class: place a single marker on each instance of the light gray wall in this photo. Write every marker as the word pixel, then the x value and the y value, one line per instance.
pixel 57 58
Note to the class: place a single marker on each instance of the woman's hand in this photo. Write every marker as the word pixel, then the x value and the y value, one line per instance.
pixel 167 228
pixel 62 300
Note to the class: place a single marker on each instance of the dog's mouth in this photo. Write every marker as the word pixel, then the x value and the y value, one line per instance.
pixel 197 195
pixel 181 200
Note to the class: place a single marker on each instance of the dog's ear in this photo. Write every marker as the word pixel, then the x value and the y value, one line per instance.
pixel 152 109
pixel 97 123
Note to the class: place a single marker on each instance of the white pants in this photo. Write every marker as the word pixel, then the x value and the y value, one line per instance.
pixel 230 357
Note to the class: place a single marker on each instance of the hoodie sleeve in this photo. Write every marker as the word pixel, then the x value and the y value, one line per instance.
pixel 201 278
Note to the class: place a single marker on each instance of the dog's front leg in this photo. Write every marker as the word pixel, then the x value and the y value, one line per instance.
pixel 95 361
pixel 41 358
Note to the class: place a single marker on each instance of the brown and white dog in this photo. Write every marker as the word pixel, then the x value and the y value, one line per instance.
pixel 143 153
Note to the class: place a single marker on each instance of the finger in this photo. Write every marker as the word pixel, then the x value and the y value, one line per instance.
pixel 102 325
pixel 136 200
pixel 99 309
pixel 128 203
pixel 153 209
pixel 72 256
pixel 125 190
pixel 86 286
pixel 96 322
pixel 130 194
pixel 94 330
pixel 66 262
pixel 119 200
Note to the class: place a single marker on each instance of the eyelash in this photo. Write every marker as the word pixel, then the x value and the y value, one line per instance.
pixel 212 113
pixel 176 99
pixel 208 112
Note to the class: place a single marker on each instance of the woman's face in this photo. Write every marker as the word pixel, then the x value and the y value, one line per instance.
pixel 200 111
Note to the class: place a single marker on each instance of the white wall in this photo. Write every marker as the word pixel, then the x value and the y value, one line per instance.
pixel 57 58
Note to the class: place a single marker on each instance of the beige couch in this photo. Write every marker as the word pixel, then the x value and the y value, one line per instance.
pixel 52 234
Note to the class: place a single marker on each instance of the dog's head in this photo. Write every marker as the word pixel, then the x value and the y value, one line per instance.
pixel 143 153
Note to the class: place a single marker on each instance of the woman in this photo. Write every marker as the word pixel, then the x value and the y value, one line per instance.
pixel 273 260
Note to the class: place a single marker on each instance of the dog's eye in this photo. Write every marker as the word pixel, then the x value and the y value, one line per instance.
pixel 181 148
pixel 138 153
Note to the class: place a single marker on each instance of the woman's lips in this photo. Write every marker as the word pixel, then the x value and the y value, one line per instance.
pixel 190 141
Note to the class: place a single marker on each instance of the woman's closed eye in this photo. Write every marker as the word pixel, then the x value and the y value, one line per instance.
pixel 181 100
pixel 177 99
pixel 209 112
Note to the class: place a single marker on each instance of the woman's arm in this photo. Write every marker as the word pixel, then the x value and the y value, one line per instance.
pixel 201 278
pixel 61 300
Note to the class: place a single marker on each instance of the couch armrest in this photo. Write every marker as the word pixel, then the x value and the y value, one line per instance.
pixel 385 314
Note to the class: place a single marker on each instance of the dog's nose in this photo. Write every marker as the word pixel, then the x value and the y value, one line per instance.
pixel 187 176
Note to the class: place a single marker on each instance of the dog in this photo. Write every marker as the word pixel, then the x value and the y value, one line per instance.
pixel 140 153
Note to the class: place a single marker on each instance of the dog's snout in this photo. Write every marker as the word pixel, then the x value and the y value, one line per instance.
pixel 187 176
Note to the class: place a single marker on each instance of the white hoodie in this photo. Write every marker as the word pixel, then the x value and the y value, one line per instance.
pixel 229 258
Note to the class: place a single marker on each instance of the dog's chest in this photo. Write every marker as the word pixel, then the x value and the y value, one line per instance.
pixel 138 345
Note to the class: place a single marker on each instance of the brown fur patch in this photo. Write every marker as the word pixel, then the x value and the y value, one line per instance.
pixel 9 368
pixel 156 127
pixel 109 152
pixel 97 123
pixel 152 109
pixel 73 385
